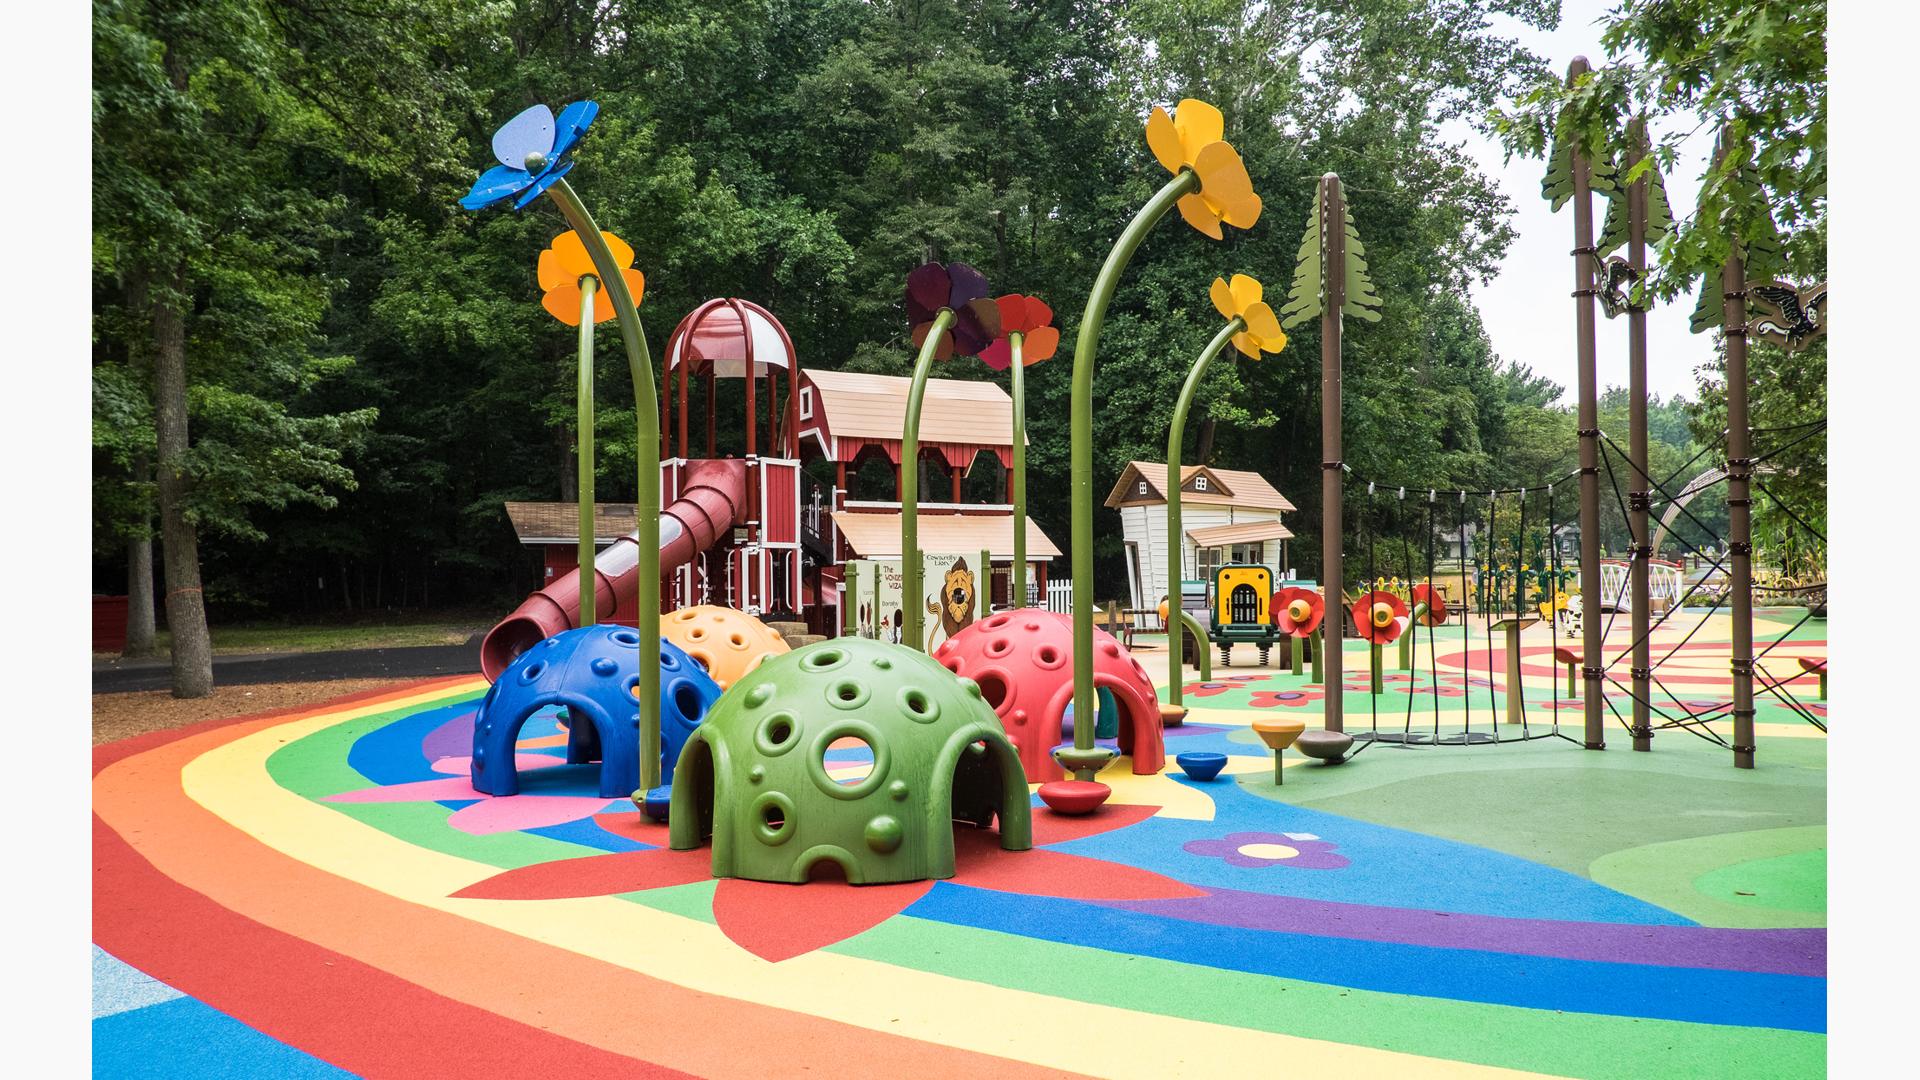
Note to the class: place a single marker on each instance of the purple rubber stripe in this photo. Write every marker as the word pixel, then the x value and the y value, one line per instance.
pixel 1782 952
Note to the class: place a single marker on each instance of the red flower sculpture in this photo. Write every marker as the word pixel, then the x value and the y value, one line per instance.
pixel 1436 602
pixel 1032 319
pixel 976 323
pixel 1380 617
pixel 1298 611
pixel 778 921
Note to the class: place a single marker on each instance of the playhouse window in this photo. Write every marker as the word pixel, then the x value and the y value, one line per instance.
pixel 806 403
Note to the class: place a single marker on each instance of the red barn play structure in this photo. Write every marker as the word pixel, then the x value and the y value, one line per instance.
pixel 757 514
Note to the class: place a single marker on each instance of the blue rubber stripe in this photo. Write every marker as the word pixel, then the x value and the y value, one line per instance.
pixel 1698 996
pixel 188 1038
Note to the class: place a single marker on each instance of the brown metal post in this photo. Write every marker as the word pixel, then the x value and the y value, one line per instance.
pixel 1333 234
pixel 1733 284
pixel 686 362
pixel 1639 482
pixel 953 471
pixel 711 431
pixel 1589 420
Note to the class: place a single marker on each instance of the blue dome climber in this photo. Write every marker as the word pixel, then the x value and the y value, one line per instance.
pixel 591 671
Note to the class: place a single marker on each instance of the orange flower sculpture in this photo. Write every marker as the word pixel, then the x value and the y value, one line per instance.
pixel 1241 299
pixel 1191 139
pixel 566 262
pixel 1030 317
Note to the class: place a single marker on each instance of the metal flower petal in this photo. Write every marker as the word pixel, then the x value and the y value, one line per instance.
pixel 531 132
pixel 495 184
pixel 571 125
pixel 976 326
pixel 1195 211
pixel 541 183
pixel 927 289
pixel 1198 124
pixel 968 285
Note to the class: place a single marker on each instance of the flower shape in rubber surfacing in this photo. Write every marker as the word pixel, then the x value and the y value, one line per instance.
pixel 778 921
pixel 532 150
pixel 932 287
pixel 1029 317
pixel 1191 139
pixel 566 262
pixel 1241 298
pixel 1257 850
pixel 1291 699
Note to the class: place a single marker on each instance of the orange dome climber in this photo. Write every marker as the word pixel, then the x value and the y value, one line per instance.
pixel 726 642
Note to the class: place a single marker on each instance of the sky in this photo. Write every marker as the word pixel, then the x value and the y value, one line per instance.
pixel 1527 308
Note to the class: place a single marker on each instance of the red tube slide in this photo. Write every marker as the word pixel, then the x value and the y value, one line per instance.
pixel 712 500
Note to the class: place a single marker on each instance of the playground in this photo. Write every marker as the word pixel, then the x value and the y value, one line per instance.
pixel 337 899
pixel 829 724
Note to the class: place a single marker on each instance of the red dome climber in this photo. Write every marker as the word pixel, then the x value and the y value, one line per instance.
pixel 1380 617
pixel 1436 602
pixel 1298 611
pixel 1023 661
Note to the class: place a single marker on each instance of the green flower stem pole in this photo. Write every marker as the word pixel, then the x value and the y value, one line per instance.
pixel 910 598
pixel 583 403
pixel 646 408
pixel 1176 437
pixel 1018 593
pixel 1085 759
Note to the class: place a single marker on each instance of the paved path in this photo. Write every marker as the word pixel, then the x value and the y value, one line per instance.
pixel 410 662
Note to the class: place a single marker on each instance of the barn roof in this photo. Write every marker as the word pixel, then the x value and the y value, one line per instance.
pixel 559 522
pixel 877 535
pixel 861 406
pixel 1238 488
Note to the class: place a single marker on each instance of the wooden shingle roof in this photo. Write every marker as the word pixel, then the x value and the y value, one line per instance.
pixel 875 407
pixel 1241 488
pixel 559 522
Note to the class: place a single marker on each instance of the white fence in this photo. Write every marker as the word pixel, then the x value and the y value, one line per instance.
pixel 1059 595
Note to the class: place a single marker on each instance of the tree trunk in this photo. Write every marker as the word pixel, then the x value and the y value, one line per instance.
pixel 1203 454
pixel 180 546
pixel 140 627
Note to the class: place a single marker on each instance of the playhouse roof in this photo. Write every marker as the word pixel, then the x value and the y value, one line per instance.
pixel 863 406
pixel 559 522
pixel 877 535
pixel 1232 487
pixel 1247 532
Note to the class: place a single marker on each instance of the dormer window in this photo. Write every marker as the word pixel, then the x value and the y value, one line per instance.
pixel 1199 483
pixel 1143 487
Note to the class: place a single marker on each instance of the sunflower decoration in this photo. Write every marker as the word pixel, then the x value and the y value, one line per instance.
pixel 1191 139
pixel 566 262
pixel 1032 319
pixel 1241 299
pixel 933 287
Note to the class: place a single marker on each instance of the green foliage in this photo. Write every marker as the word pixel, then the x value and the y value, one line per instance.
pixel 1757 68
pixel 372 373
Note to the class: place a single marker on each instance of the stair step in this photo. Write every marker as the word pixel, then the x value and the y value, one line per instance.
pixel 801 641
pixel 789 630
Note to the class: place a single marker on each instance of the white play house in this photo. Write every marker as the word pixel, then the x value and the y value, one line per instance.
pixel 1226 516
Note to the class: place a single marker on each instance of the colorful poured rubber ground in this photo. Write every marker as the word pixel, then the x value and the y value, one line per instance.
pixel 321 893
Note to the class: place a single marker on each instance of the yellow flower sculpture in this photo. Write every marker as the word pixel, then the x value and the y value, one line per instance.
pixel 1191 139
pixel 566 262
pixel 1242 299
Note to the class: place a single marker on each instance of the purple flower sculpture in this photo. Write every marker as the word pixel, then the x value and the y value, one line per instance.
pixel 1255 850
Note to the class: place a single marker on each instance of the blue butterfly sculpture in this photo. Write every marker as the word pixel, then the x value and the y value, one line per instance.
pixel 532 149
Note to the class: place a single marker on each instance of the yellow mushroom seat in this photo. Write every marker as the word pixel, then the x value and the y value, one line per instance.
pixel 727 642
pixel 756 780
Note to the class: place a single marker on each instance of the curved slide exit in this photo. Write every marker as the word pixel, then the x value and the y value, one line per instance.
pixel 712 501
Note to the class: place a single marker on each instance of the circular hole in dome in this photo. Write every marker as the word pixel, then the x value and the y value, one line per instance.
pixel 1047 654
pixel 669 661
pixel 848 760
pixel 773 816
pixel 779 730
pixel 701 658
pixel 736 640
pixel 625 637
pixel 916 702
pixel 847 692
pixel 686 698
pixel 532 672
pixel 999 647
pixel 993 688
pixel 998 621
pixel 697 633
pixel 823 659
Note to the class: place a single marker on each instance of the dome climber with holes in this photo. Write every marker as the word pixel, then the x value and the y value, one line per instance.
pixel 593 672
pixel 726 642
pixel 754 778
pixel 1023 663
